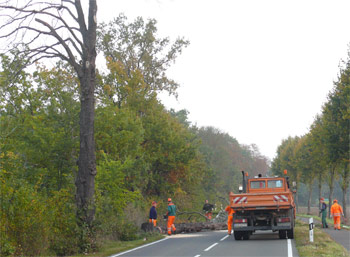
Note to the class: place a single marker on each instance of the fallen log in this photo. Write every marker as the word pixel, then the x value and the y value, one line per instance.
pixel 218 223
pixel 186 227
pixel 198 227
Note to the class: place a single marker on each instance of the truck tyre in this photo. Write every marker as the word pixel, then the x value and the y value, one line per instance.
pixel 290 233
pixel 282 234
pixel 237 235
pixel 246 235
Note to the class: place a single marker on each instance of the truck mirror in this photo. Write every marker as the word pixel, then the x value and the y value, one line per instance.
pixel 240 188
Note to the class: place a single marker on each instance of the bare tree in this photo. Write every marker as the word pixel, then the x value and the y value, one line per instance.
pixel 59 29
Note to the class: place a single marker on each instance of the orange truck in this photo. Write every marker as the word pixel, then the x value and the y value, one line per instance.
pixel 264 203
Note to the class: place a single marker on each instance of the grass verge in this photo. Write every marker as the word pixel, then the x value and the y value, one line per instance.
pixel 323 244
pixel 113 247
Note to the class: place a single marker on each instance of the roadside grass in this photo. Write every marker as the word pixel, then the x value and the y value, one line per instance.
pixel 113 247
pixel 323 244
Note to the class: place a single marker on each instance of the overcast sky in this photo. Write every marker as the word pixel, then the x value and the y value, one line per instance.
pixel 258 70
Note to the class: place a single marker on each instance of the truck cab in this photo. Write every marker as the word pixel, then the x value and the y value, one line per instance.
pixel 264 203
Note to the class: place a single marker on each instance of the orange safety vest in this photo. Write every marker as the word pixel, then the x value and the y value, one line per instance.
pixel 229 210
pixel 336 210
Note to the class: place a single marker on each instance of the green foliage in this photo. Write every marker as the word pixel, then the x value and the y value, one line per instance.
pixel 143 151
pixel 33 224
pixel 38 142
pixel 63 232
pixel 286 158
pixel 25 219
pixel 324 151
pixel 111 193
pixel 127 231
pixel 136 46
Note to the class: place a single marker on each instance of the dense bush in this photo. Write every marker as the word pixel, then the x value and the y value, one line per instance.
pixel 63 236
pixel 33 224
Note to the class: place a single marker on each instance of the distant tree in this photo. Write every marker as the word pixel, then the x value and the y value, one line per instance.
pixel 336 116
pixel 135 47
pixel 261 164
pixel 182 116
pixel 320 163
pixel 285 159
pixel 225 158
pixel 59 29
pixel 304 164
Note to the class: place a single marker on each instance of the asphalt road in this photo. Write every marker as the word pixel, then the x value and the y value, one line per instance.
pixel 216 243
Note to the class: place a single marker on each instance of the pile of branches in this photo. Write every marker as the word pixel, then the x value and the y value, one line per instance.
pixel 217 223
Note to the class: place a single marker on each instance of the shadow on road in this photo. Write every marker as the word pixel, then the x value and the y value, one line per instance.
pixel 264 235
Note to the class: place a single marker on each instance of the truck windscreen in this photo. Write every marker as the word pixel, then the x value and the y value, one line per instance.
pixel 257 184
pixel 274 183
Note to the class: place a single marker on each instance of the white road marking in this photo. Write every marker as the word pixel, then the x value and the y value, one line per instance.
pixel 206 250
pixel 197 255
pixel 222 239
pixel 290 252
pixel 119 254
pixel 188 235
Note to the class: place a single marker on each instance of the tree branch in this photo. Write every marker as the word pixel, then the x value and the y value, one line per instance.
pixel 63 43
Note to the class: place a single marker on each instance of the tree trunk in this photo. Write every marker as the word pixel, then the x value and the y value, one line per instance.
pixel 331 188
pixel 87 161
pixel 297 199
pixel 345 186
pixel 309 199
pixel 85 180
pixel 319 192
pixel 344 202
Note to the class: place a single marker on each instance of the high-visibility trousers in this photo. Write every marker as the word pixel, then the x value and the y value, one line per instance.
pixel 171 225
pixel 229 224
pixel 154 221
pixel 208 215
pixel 324 221
pixel 336 220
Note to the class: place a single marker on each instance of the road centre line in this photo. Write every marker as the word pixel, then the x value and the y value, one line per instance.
pixel 222 239
pixel 210 247
pixel 197 255
pixel 290 251
pixel 142 246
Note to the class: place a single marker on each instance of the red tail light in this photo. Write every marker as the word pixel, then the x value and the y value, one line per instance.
pixel 240 220
pixel 283 220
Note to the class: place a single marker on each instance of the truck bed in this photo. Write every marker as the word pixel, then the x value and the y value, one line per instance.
pixel 260 201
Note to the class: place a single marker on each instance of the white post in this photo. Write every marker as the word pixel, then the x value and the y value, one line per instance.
pixel 311 229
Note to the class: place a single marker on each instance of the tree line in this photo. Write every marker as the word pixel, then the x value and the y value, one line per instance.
pixel 143 152
pixel 322 155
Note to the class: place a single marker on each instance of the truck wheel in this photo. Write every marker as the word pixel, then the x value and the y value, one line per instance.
pixel 237 235
pixel 246 235
pixel 282 234
pixel 290 233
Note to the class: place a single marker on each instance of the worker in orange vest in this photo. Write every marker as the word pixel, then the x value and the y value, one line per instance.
pixel 171 216
pixel 230 213
pixel 336 212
